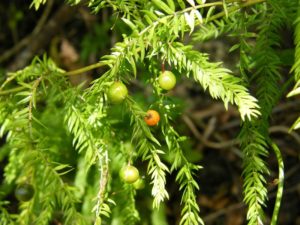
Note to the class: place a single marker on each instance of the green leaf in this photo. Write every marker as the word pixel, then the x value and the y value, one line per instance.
pixel 296 125
pixel 37 3
pixel 190 19
pixel 225 8
pixel 171 4
pixel 294 92
pixel 181 4
pixel 161 5
pixel 192 3
pixel 200 1
pixel 199 16
pixel 130 24
pixel 98 221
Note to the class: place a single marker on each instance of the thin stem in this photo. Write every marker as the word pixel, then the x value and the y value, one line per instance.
pixel 69 73
pixel 9 53
pixel 103 169
pixel 234 8
pixel 32 103
pixel 8 79
pixel 85 69
pixel 280 183
pixel 101 64
pixel 12 90
pixel 201 6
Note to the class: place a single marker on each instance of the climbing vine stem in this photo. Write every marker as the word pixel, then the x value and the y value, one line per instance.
pixel 280 183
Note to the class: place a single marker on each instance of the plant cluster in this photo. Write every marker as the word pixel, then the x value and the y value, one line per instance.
pixel 42 115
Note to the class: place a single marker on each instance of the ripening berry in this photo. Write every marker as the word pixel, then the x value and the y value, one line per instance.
pixel 152 118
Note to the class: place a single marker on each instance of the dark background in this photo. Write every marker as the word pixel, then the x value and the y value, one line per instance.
pixel 73 38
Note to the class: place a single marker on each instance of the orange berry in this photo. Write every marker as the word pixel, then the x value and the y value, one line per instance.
pixel 152 117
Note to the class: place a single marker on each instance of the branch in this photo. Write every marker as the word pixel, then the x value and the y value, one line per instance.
pixel 85 69
pixel 12 90
pixel 43 37
pixel 280 183
pixel 215 145
pixel 9 53
pixel 234 8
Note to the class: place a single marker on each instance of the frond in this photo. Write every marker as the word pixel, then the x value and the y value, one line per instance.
pixel 156 35
pixel 129 214
pixel 148 149
pixel 254 150
pixel 254 136
pixel 296 66
pixel 37 3
pixel 227 25
pixel 6 218
pixel 219 81
pixel 186 171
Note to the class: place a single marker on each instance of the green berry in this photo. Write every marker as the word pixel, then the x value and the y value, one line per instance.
pixel 24 192
pixel 117 92
pixel 129 174
pixel 167 80
pixel 139 184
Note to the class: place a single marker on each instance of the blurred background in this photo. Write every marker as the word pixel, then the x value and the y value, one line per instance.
pixel 74 37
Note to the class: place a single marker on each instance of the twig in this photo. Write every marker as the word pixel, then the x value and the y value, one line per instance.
pixel 286 106
pixel 32 104
pixel 196 133
pixel 280 184
pixel 221 212
pixel 103 169
pixel 241 205
pixel 43 37
pixel 12 90
pixel 286 130
pixel 70 73
pixel 292 171
pixel 9 53
pixel 8 79
pixel 234 8
pixel 85 69
pixel 210 128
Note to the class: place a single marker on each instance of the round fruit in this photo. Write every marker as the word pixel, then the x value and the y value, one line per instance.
pixel 24 192
pixel 152 118
pixel 139 184
pixel 117 92
pixel 129 174
pixel 167 80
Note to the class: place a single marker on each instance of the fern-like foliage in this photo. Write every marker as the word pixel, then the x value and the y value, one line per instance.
pixel 225 25
pixel 129 213
pixel 296 66
pixel 157 30
pixel 219 81
pixel 148 148
pixel 254 135
pixel 37 3
pixel 83 137
pixel 30 159
pixel 6 218
pixel 254 148
pixel 56 192
pixel 185 176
